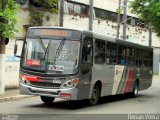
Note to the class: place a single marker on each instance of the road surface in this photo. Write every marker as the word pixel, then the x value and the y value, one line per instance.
pixel 148 102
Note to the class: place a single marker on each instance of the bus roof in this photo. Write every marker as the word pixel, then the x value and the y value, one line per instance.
pixel 53 27
pixel 99 36
pixel 127 43
pixel 115 40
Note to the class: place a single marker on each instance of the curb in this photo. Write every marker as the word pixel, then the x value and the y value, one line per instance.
pixel 18 97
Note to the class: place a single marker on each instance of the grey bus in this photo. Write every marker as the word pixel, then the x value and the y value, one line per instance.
pixel 72 64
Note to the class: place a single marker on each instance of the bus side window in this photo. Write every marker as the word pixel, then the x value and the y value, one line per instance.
pixel 99 52
pixel 122 51
pixel 138 57
pixel 150 59
pixel 111 53
pixel 146 58
pixel 131 55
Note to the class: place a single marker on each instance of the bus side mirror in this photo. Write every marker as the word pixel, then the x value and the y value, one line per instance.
pixel 15 49
pixel 17 43
pixel 6 41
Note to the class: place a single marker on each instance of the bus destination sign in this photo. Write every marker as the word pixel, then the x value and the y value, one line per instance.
pixel 35 32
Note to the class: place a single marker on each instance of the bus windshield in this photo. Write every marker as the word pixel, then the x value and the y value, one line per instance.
pixel 56 56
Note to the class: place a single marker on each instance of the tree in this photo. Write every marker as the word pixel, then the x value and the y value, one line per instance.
pixel 149 11
pixel 37 13
pixel 7 30
pixel 8 9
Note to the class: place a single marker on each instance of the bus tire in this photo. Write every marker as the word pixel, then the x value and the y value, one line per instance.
pixel 134 93
pixel 47 100
pixel 95 95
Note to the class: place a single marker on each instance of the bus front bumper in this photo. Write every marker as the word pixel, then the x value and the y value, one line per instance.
pixel 69 93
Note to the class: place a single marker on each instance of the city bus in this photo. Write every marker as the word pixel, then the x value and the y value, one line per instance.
pixel 73 64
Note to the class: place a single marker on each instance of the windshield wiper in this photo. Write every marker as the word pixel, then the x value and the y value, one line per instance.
pixel 41 43
pixel 43 46
pixel 59 49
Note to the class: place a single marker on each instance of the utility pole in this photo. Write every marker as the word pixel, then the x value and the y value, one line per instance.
pixel 91 15
pixel 124 18
pixel 118 18
pixel 61 13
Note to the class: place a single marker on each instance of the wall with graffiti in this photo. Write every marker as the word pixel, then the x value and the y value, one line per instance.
pixel 11 67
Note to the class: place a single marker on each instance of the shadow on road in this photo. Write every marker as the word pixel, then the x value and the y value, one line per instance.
pixel 73 105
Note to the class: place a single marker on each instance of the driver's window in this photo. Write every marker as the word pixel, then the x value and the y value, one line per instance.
pixel 87 51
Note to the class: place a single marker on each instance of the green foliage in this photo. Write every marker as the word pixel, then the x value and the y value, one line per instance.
pixel 49 5
pixel 8 19
pixel 37 15
pixel 148 10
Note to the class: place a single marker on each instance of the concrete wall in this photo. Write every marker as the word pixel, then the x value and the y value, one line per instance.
pixel 110 5
pixel 135 34
pixel 2 73
pixel 11 67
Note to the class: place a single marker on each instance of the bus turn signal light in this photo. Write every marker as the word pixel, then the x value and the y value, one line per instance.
pixel 75 81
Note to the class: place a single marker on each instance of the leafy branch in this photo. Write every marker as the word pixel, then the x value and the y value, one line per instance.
pixel 8 18
pixel 37 14
pixel 148 10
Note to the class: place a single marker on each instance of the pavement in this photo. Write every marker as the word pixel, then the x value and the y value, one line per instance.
pixel 14 94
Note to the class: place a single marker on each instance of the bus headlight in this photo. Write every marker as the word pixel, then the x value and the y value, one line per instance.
pixel 70 83
pixel 22 79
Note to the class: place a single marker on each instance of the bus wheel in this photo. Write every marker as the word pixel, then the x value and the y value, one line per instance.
pixel 47 100
pixel 95 95
pixel 134 93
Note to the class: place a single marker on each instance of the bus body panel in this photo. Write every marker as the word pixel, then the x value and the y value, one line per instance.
pixel 105 74
pixel 145 78
pixel 118 79
pixel 84 86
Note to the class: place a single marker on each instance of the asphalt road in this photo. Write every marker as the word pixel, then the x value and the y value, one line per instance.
pixel 148 101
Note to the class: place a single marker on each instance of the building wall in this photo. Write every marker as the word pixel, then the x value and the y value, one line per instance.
pixel 11 67
pixel 134 34
pixel 110 5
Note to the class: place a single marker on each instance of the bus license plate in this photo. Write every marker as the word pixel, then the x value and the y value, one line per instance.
pixel 56 68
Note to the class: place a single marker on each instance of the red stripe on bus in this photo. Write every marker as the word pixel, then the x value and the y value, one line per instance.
pixel 129 81
pixel 31 78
